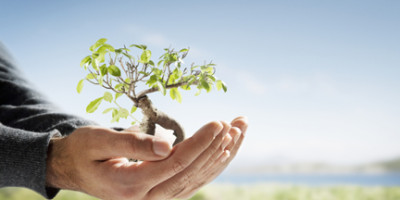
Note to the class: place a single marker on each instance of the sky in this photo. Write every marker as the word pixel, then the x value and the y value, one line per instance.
pixel 318 80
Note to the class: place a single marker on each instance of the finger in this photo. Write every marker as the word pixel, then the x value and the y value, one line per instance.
pixel 131 145
pixel 205 177
pixel 224 160
pixel 184 154
pixel 241 123
pixel 234 134
pixel 187 176
pixel 133 129
pixel 215 168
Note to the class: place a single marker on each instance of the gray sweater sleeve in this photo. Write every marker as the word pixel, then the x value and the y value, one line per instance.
pixel 27 123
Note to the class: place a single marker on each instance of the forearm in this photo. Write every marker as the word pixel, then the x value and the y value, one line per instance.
pixel 23 159
pixel 23 108
pixel 27 122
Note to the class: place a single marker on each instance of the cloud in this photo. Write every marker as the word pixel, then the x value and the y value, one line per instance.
pixel 241 78
pixel 251 83
pixel 156 39
pixel 317 83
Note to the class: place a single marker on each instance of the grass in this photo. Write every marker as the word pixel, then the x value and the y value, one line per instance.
pixel 288 192
pixel 246 192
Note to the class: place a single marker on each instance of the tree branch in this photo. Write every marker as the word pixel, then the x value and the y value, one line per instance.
pixel 155 89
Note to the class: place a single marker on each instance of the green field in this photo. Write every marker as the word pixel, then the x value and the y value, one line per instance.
pixel 247 192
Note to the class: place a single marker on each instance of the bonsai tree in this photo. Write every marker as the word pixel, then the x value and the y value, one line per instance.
pixel 121 73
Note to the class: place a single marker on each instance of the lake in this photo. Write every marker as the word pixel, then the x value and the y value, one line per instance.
pixel 387 179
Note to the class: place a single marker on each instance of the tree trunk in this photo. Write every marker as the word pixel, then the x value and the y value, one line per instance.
pixel 152 116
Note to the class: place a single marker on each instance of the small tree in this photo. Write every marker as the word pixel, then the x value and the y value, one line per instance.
pixel 120 72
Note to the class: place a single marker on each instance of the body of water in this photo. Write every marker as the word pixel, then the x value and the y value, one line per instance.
pixel 389 179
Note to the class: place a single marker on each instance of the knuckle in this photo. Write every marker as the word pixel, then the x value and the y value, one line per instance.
pixel 132 143
pixel 174 191
pixel 216 125
pixel 180 186
pixel 127 194
pixel 179 165
pixel 140 143
pixel 187 177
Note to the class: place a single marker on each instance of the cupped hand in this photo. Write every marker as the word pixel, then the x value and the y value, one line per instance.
pixel 94 160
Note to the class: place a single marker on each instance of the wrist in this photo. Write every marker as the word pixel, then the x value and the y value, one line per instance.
pixel 56 173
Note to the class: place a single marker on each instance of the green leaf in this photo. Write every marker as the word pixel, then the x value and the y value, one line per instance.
pixel 192 79
pixel 157 72
pixel 172 94
pixel 128 55
pixel 107 110
pixel 143 47
pixel 224 87
pixel 152 80
pixel 186 87
pixel 108 96
pixel 108 47
pixel 118 95
pixel 118 51
pixel 115 117
pixel 124 113
pixel 175 94
pixel 159 62
pixel 100 58
pixel 211 77
pixel 94 105
pixel 100 79
pixel 178 73
pixel 117 114
pixel 171 57
pixel 103 69
pixel 218 85
pixel 221 85
pixel 133 123
pixel 206 69
pixel 151 63
pixel 102 50
pixel 134 108
pixel 79 86
pixel 161 87
pixel 91 76
pixel 86 60
pixel 95 64
pixel 144 73
pixel 98 43
pixel 114 70
pixel 194 67
pixel 119 87
pixel 183 50
pixel 145 57
pixel 197 93
pixel 205 85
pixel 114 113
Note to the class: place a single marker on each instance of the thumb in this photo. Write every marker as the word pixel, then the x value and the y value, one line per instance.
pixel 136 145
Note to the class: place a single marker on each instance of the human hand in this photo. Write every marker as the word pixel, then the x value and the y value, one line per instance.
pixel 93 160
pixel 213 166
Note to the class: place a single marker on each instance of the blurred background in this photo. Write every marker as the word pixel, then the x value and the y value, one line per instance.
pixel 318 80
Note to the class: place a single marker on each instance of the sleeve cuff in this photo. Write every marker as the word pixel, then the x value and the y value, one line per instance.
pixel 23 159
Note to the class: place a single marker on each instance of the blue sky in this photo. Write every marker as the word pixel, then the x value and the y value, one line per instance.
pixel 319 80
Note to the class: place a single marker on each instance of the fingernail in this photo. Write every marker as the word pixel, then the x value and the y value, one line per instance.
pixel 227 140
pixel 161 147
pixel 226 155
pixel 238 131
pixel 218 130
